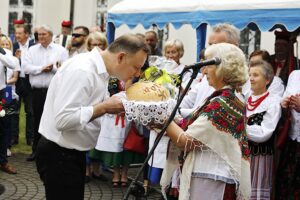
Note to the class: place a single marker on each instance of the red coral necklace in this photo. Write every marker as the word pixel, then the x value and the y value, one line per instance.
pixel 252 105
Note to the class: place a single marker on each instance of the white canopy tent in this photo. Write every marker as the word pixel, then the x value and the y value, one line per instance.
pixel 265 14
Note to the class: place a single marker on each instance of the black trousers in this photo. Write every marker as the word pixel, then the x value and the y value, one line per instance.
pixel 3 135
pixel 4 122
pixel 38 101
pixel 62 170
pixel 23 89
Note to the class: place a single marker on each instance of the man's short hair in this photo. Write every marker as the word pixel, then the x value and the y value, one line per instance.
pixel 129 43
pixel 232 33
pixel 26 28
pixel 153 32
pixel 47 28
pixel 84 28
pixel 263 53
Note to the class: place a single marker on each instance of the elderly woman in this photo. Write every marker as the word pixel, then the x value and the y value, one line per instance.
pixel 288 174
pixel 276 85
pixel 96 39
pixel 263 114
pixel 173 49
pixel 213 137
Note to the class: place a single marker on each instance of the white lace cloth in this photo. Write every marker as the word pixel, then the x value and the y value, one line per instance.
pixel 148 113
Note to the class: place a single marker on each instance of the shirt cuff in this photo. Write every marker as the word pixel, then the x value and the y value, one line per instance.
pixel 185 112
pixel 86 114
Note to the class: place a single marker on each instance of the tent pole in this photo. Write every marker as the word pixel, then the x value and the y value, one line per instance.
pixel 110 32
pixel 201 37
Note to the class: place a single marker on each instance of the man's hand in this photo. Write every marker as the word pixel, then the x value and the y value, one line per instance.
pixel 18 53
pixel 113 105
pixel 285 102
pixel 295 102
pixel 47 68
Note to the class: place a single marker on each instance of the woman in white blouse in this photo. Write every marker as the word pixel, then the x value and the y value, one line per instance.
pixel 263 114
pixel 288 174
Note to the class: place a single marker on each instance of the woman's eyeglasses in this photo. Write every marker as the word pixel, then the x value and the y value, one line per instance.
pixel 100 45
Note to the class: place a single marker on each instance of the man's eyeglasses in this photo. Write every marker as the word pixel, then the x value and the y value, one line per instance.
pixel 76 35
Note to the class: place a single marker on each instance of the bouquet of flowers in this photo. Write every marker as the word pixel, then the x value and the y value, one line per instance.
pixel 5 107
pixel 2 108
pixel 161 71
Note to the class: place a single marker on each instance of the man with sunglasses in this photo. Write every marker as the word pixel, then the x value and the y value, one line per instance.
pixel 78 42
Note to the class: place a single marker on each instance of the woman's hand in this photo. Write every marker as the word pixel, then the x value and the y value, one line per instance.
pixel 295 102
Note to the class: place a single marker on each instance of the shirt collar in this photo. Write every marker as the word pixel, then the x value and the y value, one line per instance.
pixel 26 45
pixel 101 68
pixel 50 46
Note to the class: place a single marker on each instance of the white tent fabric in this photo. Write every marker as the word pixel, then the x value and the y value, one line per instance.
pixel 264 13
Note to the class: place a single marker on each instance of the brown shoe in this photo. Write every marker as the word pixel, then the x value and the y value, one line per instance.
pixel 8 169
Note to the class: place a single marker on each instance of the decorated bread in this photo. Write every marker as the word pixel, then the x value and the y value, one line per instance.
pixel 148 92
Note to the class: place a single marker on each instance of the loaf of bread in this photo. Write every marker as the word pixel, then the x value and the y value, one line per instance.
pixel 148 92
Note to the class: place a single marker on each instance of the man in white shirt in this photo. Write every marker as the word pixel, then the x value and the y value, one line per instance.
pixel 41 63
pixel 23 87
pixel 76 99
pixel 6 60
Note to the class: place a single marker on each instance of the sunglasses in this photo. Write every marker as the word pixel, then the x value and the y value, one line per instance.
pixel 76 35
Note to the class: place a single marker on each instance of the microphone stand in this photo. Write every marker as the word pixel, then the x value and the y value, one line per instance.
pixel 133 184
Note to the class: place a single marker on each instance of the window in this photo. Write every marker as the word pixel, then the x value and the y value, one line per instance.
pixel 20 9
pixel 13 2
pixel 250 40
pixel 27 2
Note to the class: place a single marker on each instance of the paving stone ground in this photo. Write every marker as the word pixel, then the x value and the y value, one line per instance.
pixel 26 185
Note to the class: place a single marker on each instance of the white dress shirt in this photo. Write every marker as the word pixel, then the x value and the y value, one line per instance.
pixel 9 61
pixel 276 87
pixel 293 88
pixel 37 58
pixel 24 49
pixel 79 84
pixel 270 105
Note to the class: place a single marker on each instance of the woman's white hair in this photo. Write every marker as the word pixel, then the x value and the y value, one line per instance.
pixel 177 44
pixel 233 67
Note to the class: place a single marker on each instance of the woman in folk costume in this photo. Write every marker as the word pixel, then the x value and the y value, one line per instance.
pixel 284 61
pixel 276 86
pixel 214 140
pixel 288 174
pixel 263 114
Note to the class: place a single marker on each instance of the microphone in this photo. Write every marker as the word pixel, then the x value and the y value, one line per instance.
pixel 213 61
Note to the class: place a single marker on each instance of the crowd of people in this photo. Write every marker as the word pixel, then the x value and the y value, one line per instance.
pixel 235 136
